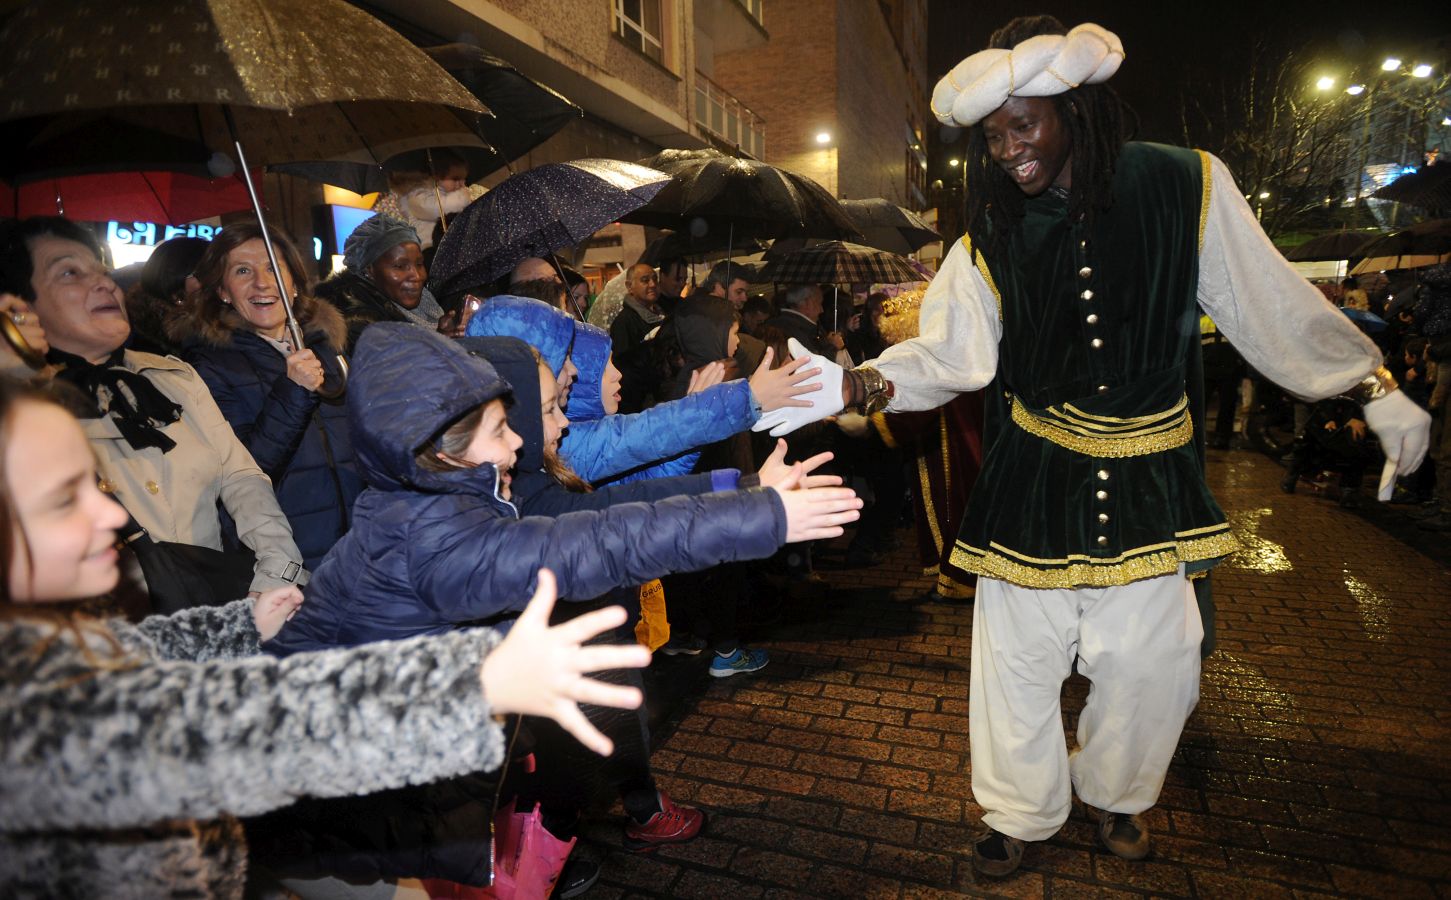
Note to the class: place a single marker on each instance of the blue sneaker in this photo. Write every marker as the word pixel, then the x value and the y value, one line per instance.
pixel 742 661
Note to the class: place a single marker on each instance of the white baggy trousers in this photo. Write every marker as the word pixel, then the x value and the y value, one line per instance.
pixel 1138 645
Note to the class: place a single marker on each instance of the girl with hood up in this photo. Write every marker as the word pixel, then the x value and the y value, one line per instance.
pixel 436 541
pixel 127 751
pixel 602 445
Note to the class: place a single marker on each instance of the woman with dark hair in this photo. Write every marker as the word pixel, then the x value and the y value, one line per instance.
pixel 127 751
pixel 383 280
pixel 234 333
pixel 161 294
pixel 165 451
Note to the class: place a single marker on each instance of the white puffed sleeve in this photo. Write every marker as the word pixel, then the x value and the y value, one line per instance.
pixel 1276 319
pixel 957 350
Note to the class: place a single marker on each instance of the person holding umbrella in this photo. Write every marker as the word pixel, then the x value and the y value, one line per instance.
pixel 383 278
pixel 1084 257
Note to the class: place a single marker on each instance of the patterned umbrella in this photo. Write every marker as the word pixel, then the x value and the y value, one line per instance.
pixel 837 262
pixel 100 86
pixel 536 213
pixel 1428 187
pixel 887 226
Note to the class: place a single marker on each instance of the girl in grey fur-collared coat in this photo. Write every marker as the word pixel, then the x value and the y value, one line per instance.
pixel 123 781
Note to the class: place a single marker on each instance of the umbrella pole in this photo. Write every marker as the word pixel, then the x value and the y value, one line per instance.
pixel 294 331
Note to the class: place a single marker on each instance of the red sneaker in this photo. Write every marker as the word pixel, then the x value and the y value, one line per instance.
pixel 671 825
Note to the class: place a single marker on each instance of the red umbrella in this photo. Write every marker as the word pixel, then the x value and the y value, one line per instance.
pixel 168 198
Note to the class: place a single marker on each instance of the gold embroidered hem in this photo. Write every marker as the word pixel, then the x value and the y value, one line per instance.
pixel 1084 571
pixel 1206 175
pixel 1094 436
pixel 981 262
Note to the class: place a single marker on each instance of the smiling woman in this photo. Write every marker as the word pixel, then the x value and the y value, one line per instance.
pixel 384 278
pixel 162 446
pixel 235 333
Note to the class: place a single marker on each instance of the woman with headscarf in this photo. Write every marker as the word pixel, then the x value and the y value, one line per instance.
pixel 383 280
pixel 235 334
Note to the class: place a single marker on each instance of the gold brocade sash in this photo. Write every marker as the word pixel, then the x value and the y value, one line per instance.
pixel 1106 437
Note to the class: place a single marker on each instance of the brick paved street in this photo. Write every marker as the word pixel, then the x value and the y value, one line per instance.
pixel 1315 763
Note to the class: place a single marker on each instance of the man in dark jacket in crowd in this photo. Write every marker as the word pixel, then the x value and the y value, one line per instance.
pixel 800 316
pixel 673 275
pixel 629 332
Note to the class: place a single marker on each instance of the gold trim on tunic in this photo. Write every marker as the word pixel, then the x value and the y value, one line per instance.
pixel 1080 570
pixel 1138 436
pixel 1207 177
pixel 981 262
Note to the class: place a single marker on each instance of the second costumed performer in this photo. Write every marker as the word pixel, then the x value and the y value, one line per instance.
pixel 1077 291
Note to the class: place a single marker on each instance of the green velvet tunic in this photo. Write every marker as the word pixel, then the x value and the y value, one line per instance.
pixel 1092 476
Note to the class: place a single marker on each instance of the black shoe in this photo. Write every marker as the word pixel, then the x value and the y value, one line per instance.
pixel 1441 522
pixel 1350 499
pixel 997 855
pixel 1287 484
pixel 862 559
pixel 1428 510
pixel 577 876
pixel 1218 442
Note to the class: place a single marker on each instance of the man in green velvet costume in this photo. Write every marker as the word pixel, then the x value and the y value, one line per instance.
pixel 1075 297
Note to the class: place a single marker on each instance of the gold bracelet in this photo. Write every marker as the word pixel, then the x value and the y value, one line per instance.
pixel 1373 386
pixel 16 339
pixel 876 390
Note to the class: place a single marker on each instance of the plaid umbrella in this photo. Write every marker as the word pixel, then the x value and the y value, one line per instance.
pixel 837 262
pixel 536 213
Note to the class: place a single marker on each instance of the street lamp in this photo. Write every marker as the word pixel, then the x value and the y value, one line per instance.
pixel 1391 64
pixel 823 137
pixel 1421 71
pixel 1355 90
pixel 1325 83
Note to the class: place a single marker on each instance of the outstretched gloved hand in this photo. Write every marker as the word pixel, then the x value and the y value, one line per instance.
pixel 824 402
pixel 1404 430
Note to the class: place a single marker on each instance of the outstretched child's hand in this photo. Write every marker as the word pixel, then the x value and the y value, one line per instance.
pixel 774 471
pixel 271 609
pixel 814 514
pixel 538 670
pixel 707 376
pixel 775 388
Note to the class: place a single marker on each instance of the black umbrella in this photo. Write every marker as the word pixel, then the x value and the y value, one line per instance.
pixel 887 226
pixel 1337 245
pixel 684 245
pixel 742 198
pixel 671 159
pixel 1429 187
pixel 1420 245
pixel 106 87
pixel 524 112
pixel 536 213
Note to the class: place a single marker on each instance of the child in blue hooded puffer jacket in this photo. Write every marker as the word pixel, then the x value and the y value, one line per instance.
pixel 600 445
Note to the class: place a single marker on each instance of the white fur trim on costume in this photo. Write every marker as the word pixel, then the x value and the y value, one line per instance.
pixel 1038 67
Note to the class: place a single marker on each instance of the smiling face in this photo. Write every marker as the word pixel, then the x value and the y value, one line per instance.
pixel 564 382
pixel 643 284
pixel 493 442
pixel 249 286
pixel 610 388
pixel 64 529
pixel 554 420
pixel 733 339
pixel 79 306
pixel 1030 141
pixel 400 273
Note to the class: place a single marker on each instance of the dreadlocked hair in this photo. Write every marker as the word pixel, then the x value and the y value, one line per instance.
pixel 1094 116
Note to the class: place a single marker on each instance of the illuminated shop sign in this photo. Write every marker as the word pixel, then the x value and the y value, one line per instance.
pixel 149 234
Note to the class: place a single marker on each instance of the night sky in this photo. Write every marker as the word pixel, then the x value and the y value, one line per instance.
pixel 1173 47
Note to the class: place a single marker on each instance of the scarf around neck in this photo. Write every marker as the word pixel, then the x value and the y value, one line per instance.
pixel 138 407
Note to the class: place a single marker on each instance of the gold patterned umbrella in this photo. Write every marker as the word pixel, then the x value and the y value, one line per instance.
pixel 111 85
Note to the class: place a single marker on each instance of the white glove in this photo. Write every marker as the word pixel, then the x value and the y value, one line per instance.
pixel 1404 430
pixel 825 402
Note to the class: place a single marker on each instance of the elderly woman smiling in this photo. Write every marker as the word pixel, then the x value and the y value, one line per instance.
pixel 163 448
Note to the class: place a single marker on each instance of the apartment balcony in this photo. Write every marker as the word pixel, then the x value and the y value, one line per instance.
pixel 726 119
pixel 731 25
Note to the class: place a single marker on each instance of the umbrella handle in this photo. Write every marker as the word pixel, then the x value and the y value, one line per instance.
pixel 294 331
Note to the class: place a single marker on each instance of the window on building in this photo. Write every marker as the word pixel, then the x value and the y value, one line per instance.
pixel 638 23
pixel 916 168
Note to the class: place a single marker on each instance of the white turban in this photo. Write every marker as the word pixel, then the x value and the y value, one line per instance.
pixel 1038 67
